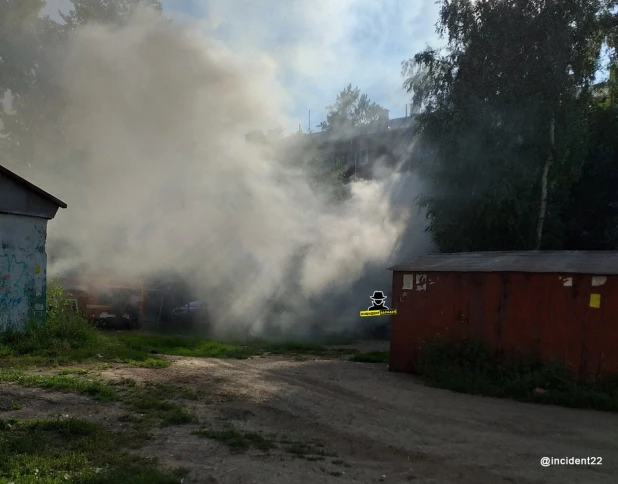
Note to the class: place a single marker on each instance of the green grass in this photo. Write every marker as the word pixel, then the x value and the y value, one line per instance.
pixel 469 367
pixel 74 371
pixel 372 357
pixel 76 451
pixel 300 449
pixel 97 390
pixel 69 340
pixel 149 363
pixel 298 348
pixel 290 347
pixel 54 451
pixel 183 346
pixel 154 343
pixel 79 342
pixel 241 441
pixel 151 400
pixel 8 405
pixel 156 408
pixel 238 441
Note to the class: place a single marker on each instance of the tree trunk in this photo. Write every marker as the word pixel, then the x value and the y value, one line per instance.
pixel 543 208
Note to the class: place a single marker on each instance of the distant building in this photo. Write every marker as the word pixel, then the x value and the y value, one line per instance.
pixel 24 212
pixel 361 148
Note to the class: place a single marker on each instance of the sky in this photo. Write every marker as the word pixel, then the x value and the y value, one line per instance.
pixel 318 46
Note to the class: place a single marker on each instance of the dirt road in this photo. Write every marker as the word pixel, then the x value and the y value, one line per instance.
pixel 383 427
pixel 365 425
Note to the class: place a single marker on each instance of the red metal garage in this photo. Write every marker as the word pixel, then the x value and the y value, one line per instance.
pixel 548 305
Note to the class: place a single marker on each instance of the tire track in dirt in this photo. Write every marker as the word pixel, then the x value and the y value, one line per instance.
pixel 365 450
pixel 384 423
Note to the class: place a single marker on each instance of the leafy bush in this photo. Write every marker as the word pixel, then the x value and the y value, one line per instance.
pixel 63 331
pixel 66 336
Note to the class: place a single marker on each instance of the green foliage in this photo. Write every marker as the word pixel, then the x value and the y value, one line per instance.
pixel 153 343
pixel 371 357
pixel 149 363
pixel 329 177
pixel 26 45
pixel 54 451
pixel 469 367
pixel 105 11
pixel 62 383
pixel 64 331
pixel 58 303
pixel 32 132
pixel 591 215
pixel 351 108
pixel 183 346
pixel 152 401
pixel 236 440
pixel 486 107
pixel 291 347
pixel 67 337
pixel 240 441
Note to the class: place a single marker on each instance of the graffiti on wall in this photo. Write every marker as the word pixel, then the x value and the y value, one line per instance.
pixel 12 282
pixel 22 270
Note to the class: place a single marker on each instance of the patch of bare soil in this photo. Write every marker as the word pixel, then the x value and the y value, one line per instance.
pixel 25 403
pixel 374 426
pixel 335 421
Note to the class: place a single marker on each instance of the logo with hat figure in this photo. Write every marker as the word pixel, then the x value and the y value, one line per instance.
pixel 378 306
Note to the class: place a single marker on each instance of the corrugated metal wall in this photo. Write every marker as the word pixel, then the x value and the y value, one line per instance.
pixel 547 316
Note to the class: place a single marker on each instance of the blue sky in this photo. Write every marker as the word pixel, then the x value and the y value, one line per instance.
pixel 319 46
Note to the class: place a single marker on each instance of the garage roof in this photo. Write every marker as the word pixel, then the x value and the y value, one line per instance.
pixel 31 186
pixel 570 262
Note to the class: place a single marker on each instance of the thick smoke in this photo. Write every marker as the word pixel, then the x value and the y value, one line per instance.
pixel 160 177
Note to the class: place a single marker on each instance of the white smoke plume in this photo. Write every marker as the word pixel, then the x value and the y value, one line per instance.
pixel 159 176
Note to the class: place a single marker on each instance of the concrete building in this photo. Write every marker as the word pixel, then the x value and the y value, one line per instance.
pixel 359 150
pixel 24 212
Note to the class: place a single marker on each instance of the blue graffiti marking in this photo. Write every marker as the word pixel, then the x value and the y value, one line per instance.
pixel 11 261
pixel 11 275
pixel 7 304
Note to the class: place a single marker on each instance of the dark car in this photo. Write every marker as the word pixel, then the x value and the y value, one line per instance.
pixel 190 312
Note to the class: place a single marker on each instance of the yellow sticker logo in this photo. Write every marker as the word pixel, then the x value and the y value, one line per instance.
pixel 378 306
pixel 595 301
pixel 37 269
pixel 378 313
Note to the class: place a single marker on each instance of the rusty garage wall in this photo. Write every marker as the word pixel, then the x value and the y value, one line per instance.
pixel 521 305
pixel 24 212
pixel 22 268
